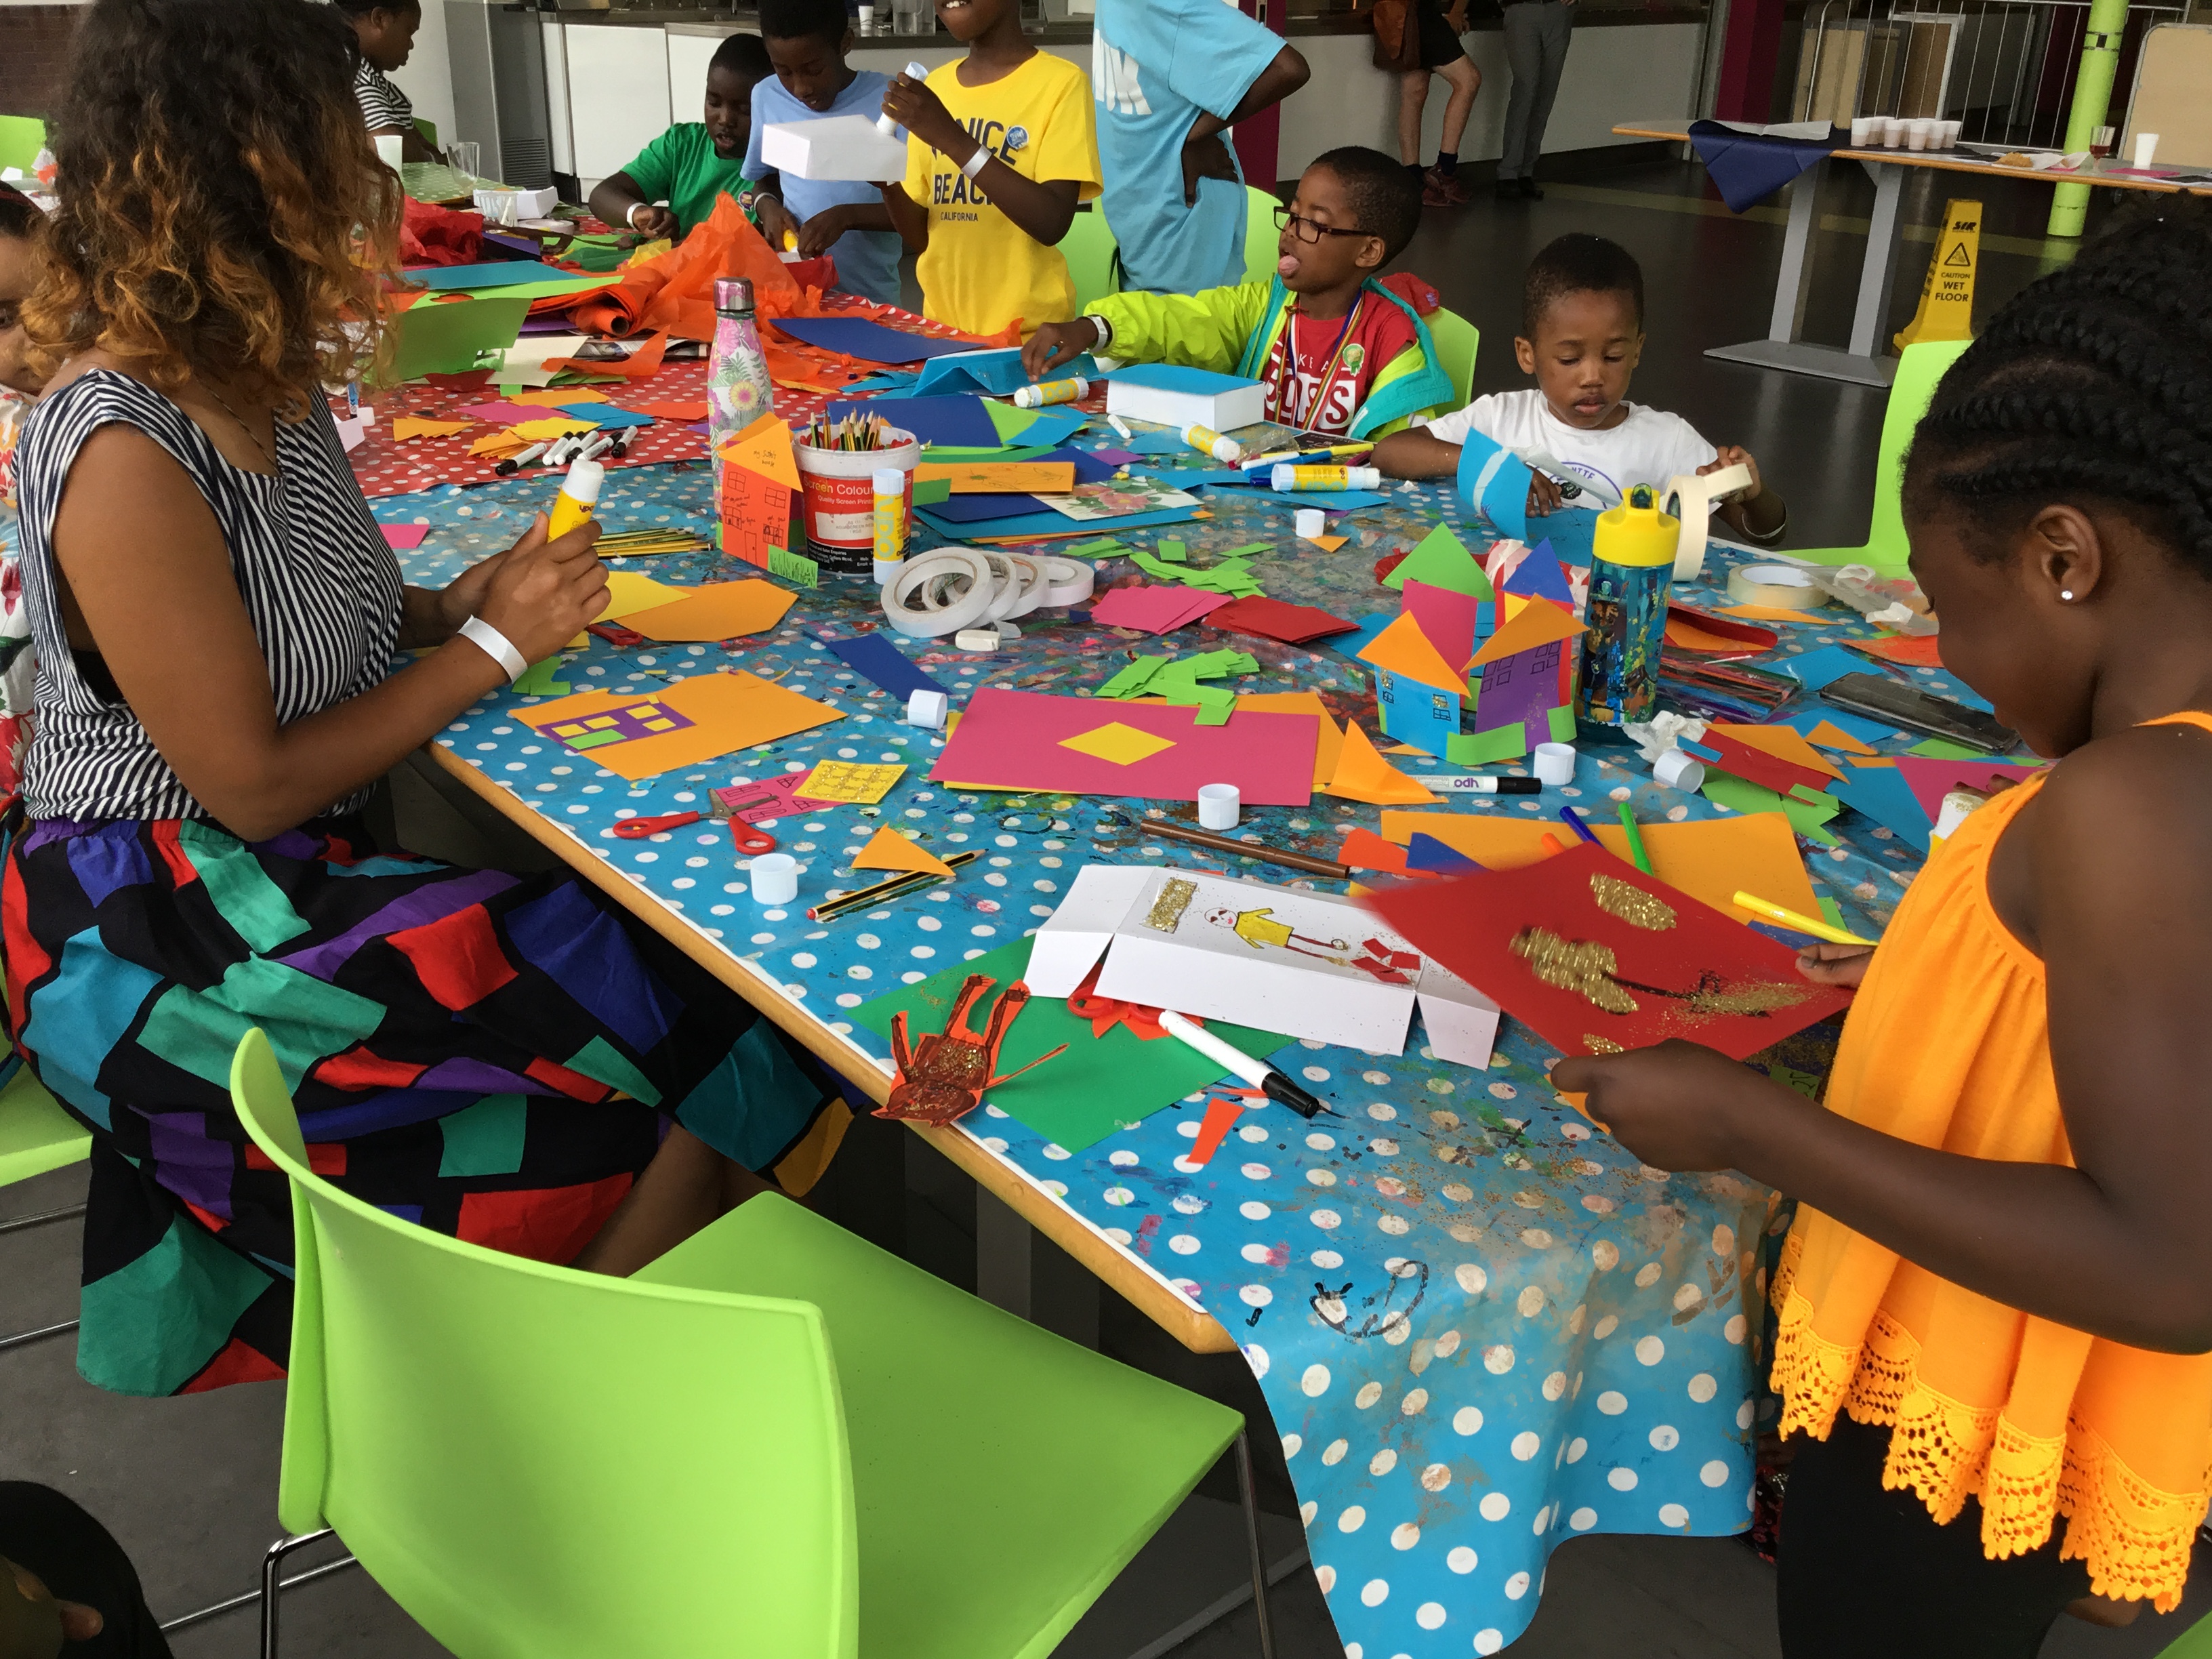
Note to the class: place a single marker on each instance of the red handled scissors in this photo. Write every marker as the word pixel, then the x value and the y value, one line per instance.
pixel 751 839
pixel 639 829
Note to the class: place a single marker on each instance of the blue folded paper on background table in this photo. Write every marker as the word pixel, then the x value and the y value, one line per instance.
pixel 1747 168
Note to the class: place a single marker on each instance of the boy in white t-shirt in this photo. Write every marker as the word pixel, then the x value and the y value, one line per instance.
pixel 1582 314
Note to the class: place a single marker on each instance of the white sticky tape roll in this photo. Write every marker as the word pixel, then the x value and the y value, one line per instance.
pixel 773 878
pixel 1678 771
pixel 1029 585
pixel 1778 587
pixel 1310 521
pixel 1007 592
pixel 1554 763
pixel 1066 581
pixel 939 593
pixel 1218 804
pixel 1690 499
pixel 926 709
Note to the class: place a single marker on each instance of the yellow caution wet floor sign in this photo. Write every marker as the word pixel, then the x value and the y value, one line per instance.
pixel 1947 298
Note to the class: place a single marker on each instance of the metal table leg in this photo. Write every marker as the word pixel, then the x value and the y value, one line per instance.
pixel 1881 264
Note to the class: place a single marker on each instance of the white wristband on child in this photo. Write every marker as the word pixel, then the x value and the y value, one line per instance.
pixel 975 163
pixel 1103 329
pixel 496 645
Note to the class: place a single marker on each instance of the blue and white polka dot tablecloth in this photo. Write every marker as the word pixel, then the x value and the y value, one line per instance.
pixel 1481 1326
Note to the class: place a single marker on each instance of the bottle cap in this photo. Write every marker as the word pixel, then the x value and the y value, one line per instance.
pixel 890 481
pixel 734 294
pixel 584 481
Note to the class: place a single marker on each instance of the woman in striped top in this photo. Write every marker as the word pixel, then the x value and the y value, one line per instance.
pixel 384 36
pixel 513 1061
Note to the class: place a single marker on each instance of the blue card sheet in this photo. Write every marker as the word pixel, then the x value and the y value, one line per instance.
pixel 873 655
pixel 975 509
pixel 958 421
pixel 500 273
pixel 999 372
pixel 866 339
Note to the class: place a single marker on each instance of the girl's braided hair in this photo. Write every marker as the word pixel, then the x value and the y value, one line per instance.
pixel 2093 385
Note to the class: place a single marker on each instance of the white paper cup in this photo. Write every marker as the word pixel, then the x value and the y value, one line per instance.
pixel 1218 805
pixel 1310 521
pixel 1893 133
pixel 1948 138
pixel 1554 763
pixel 1866 131
pixel 1919 134
pixel 2146 148
pixel 1678 771
pixel 774 877
pixel 926 708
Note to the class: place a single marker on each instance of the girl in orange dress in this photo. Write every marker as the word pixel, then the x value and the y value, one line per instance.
pixel 1996 1302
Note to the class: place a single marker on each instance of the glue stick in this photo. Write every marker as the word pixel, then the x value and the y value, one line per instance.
pixel 579 494
pixel 891 522
pixel 1051 392
pixel 1287 478
pixel 1206 441
pixel 884 125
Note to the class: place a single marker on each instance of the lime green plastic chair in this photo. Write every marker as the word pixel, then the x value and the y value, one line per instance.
pixel 1260 234
pixel 36 1136
pixel 2195 1643
pixel 1455 339
pixel 21 139
pixel 776 1439
pixel 429 128
pixel 1089 248
pixel 1910 393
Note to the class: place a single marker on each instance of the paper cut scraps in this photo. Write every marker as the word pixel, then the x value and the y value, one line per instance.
pixel 1100 1085
pixel 414 426
pixel 1152 609
pixel 404 538
pixel 1595 957
pixel 1021 739
pixel 1209 945
pixel 1176 680
pixel 707 715
pixel 875 656
pixel 1363 774
pixel 1272 619
pixel 890 850
pixel 718 610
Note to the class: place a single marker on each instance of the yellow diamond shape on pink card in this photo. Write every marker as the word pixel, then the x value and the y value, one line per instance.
pixel 1124 746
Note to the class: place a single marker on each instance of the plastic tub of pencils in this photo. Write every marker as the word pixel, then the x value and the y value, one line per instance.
pixel 838 461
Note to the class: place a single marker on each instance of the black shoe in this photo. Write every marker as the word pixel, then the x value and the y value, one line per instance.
pixel 1528 189
pixel 1506 187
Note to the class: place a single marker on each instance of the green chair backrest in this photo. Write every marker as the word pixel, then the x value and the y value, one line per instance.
pixel 1260 234
pixel 1088 248
pixel 1456 340
pixel 429 128
pixel 21 139
pixel 2195 1643
pixel 525 1456
pixel 36 1134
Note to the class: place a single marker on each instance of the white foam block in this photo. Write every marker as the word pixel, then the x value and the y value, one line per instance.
pixel 842 147
pixel 1177 396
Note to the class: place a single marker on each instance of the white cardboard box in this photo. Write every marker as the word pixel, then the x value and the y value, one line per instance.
pixel 842 147
pixel 1176 396
pixel 1278 959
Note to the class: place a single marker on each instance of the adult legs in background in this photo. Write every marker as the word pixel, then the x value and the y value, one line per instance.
pixel 1537 32
pixel 1413 99
pixel 1864 1570
pixel 1464 81
pixel 1440 54
pixel 72 1555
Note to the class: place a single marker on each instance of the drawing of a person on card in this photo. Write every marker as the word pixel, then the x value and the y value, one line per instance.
pixel 1259 929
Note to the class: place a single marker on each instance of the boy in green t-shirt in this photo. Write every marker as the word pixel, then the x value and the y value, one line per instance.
pixel 693 162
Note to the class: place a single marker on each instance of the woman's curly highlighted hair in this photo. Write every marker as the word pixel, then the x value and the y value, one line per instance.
pixel 222 209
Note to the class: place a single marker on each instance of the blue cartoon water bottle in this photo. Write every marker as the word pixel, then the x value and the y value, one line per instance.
pixel 1632 562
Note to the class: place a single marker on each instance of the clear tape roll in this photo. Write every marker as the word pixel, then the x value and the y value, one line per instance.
pixel 939 593
pixel 1066 581
pixel 1030 588
pixel 1006 586
pixel 1777 587
pixel 1692 498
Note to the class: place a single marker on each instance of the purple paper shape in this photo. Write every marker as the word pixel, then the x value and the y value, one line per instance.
pixel 1523 687
pixel 1448 619
pixel 1117 457
pixel 1539 576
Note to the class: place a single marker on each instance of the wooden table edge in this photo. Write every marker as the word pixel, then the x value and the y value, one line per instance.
pixel 1950 162
pixel 1174 1313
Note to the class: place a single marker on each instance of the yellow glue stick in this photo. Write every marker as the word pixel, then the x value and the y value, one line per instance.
pixel 891 527
pixel 1287 478
pixel 1207 441
pixel 1051 392
pixel 579 494
pixel 790 241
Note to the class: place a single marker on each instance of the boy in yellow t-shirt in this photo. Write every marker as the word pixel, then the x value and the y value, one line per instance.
pixel 1002 146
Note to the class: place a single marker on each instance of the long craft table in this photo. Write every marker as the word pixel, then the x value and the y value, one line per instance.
pixel 1867 360
pixel 1481 1327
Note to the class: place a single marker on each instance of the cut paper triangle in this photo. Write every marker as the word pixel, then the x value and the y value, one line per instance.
pixel 1442 560
pixel 414 426
pixel 718 610
pixel 1363 774
pixel 554 426
pixel 1784 742
pixel 1537 622
pixel 765 448
pixel 1829 736
pixel 1426 852
pixel 889 850
pixel 500 444
pixel 558 398
pixel 1363 849
pixel 1403 648
pixel 1538 576
pixel 1327 544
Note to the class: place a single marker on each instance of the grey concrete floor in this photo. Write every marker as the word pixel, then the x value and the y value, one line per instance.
pixel 188 1485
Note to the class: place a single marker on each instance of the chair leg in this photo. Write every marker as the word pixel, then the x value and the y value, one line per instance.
pixel 1249 1490
pixel 23 1339
pixel 272 1565
pixel 252 1597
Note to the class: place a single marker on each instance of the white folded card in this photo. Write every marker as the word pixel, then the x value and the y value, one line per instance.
pixel 845 149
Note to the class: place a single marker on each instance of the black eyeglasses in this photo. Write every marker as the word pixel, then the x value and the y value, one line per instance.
pixel 1310 230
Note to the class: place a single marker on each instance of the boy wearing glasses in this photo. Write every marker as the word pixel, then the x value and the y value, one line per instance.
pixel 1339 352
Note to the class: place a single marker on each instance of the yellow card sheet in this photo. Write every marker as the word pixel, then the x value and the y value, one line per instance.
pixel 1710 859
pixel 718 610
pixel 553 427
pixel 1001 477
pixel 558 397
pixel 414 426
pixel 862 783
pixel 764 447
pixel 725 713
pixel 890 850
pixel 628 593
pixel 502 444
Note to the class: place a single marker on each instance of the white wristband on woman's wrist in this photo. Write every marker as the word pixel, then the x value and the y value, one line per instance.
pixel 975 163
pixel 496 645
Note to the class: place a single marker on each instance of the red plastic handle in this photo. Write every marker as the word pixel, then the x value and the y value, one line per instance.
pixel 639 829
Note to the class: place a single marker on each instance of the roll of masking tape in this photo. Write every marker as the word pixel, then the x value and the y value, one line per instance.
pixel 1777 587
pixel 1692 498
pixel 939 593
pixel 1066 581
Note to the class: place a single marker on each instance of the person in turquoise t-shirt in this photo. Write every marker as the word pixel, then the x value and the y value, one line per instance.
pixel 694 162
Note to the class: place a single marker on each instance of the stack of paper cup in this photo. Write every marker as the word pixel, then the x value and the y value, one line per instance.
pixel 1893 133
pixel 1919 134
pixel 1554 763
pixel 1866 131
pixel 1948 138
pixel 2146 148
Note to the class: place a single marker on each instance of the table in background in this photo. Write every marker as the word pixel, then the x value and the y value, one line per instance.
pixel 1480 1328
pixel 1866 361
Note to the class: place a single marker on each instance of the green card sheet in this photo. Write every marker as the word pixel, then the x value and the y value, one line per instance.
pixel 1101 1085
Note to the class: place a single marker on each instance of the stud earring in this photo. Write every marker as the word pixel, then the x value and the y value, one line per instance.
pixel 2065 592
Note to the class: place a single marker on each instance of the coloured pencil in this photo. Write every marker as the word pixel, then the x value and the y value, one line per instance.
pixel 1310 864
pixel 1642 859
pixel 861 898
pixel 1796 921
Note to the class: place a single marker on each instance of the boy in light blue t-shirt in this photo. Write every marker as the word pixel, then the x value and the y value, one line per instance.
pixel 1168 77
pixel 806 41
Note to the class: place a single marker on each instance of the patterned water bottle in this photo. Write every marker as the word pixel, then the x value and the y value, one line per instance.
pixel 739 392
pixel 1632 560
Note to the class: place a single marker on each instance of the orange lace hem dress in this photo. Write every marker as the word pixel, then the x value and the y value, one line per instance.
pixel 1949 1045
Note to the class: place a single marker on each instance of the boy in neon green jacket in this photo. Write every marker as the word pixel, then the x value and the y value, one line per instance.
pixel 1340 351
